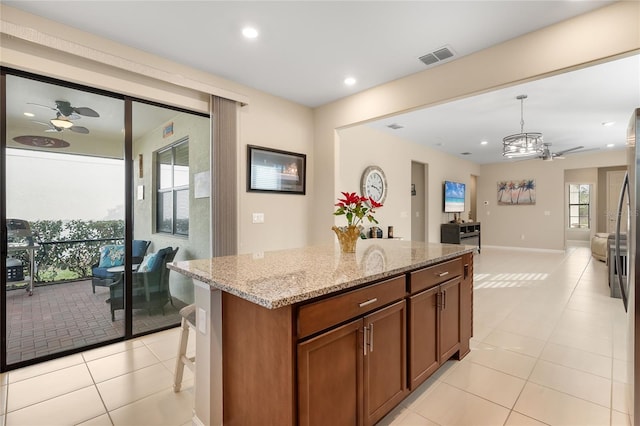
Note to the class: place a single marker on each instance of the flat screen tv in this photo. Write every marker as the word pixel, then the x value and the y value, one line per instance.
pixel 454 193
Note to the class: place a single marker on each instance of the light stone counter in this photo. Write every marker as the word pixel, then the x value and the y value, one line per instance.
pixel 281 278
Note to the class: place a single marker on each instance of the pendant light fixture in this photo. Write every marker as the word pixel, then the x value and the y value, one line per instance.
pixel 522 144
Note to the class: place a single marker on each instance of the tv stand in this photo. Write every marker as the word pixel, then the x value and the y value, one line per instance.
pixel 461 233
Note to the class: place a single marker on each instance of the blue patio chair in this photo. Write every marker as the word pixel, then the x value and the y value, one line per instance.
pixel 150 286
pixel 113 255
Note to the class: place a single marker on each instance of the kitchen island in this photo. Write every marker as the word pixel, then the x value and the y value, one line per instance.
pixel 315 336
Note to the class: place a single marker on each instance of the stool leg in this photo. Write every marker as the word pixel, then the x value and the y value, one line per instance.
pixel 182 350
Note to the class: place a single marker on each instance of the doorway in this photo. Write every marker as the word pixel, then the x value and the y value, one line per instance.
pixel 419 198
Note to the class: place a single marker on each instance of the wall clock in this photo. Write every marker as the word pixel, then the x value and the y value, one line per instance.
pixel 373 183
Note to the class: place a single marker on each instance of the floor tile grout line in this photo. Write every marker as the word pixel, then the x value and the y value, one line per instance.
pixel 546 342
pixel 95 385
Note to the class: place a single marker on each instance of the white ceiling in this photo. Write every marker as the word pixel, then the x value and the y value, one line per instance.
pixel 307 48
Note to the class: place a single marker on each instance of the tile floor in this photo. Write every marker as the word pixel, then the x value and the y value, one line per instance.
pixel 548 348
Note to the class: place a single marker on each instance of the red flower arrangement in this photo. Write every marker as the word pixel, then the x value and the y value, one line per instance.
pixel 356 208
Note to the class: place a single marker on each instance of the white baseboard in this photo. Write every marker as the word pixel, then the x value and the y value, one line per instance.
pixel 523 249
pixel 195 421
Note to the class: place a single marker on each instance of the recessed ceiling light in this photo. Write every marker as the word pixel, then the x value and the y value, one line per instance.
pixel 349 81
pixel 611 145
pixel 29 114
pixel 608 123
pixel 250 32
pixel 483 142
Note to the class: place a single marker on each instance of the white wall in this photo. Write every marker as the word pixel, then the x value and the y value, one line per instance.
pixel 274 123
pixel 361 146
pixel 266 120
pixel 589 38
pixel 38 45
pixel 543 224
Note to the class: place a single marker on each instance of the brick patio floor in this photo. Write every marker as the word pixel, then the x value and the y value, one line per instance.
pixel 67 316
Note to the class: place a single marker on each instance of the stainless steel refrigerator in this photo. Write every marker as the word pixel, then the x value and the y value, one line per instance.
pixel 626 260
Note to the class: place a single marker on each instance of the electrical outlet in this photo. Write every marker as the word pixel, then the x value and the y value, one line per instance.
pixel 258 255
pixel 258 218
pixel 202 321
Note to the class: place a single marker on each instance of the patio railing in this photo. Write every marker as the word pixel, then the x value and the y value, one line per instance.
pixel 67 260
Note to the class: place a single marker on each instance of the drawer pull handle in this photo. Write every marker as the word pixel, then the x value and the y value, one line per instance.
pixel 371 337
pixel 442 274
pixel 368 302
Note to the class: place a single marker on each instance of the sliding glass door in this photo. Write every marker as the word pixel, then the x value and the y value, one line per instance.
pixel 98 195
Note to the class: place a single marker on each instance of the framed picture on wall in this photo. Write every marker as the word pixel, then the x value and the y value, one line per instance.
pixel 273 170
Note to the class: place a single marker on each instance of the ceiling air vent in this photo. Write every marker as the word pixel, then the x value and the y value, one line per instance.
pixel 465 153
pixel 437 55
pixel 395 126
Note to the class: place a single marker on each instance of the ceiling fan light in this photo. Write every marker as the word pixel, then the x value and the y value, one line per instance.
pixel 64 124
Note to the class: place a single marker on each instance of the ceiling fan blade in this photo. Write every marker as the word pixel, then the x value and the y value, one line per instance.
pixel 575 148
pixel 51 127
pixel 41 122
pixel 87 112
pixel 79 129
pixel 42 106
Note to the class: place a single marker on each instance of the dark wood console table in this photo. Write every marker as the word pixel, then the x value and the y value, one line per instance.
pixel 461 233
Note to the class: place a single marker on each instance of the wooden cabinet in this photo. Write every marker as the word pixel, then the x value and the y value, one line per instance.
pixel 449 320
pixel 466 304
pixel 385 361
pixel 424 357
pixel 434 318
pixel 345 358
pixel 330 377
pixel 353 374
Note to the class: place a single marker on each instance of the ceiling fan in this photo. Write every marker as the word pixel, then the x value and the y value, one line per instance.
pixel 65 113
pixel 59 124
pixel 547 155
pixel 65 109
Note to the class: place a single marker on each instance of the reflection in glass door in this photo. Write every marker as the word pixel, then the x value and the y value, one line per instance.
pixel 89 232
pixel 171 209
pixel 65 217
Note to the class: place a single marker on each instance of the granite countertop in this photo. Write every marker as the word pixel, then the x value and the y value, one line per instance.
pixel 281 278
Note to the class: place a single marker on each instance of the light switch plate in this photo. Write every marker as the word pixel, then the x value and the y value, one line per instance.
pixel 258 217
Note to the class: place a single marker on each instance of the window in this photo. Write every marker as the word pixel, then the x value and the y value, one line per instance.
pixel 579 207
pixel 172 203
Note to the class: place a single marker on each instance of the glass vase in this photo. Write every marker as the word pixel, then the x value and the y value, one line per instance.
pixel 347 237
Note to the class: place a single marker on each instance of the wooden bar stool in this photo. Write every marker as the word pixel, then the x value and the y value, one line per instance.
pixel 188 314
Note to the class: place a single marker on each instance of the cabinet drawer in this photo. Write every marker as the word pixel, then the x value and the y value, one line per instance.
pixel 434 275
pixel 323 314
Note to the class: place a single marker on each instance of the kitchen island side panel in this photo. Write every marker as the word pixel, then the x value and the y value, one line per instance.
pixel 258 363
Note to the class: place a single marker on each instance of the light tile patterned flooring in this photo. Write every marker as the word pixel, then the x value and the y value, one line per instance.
pixel 548 348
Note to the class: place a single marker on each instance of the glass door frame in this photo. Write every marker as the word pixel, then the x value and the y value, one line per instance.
pixel 128 213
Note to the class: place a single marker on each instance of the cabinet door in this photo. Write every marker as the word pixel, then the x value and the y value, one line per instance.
pixel 385 366
pixel 449 319
pixel 330 377
pixel 423 336
pixel 466 304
